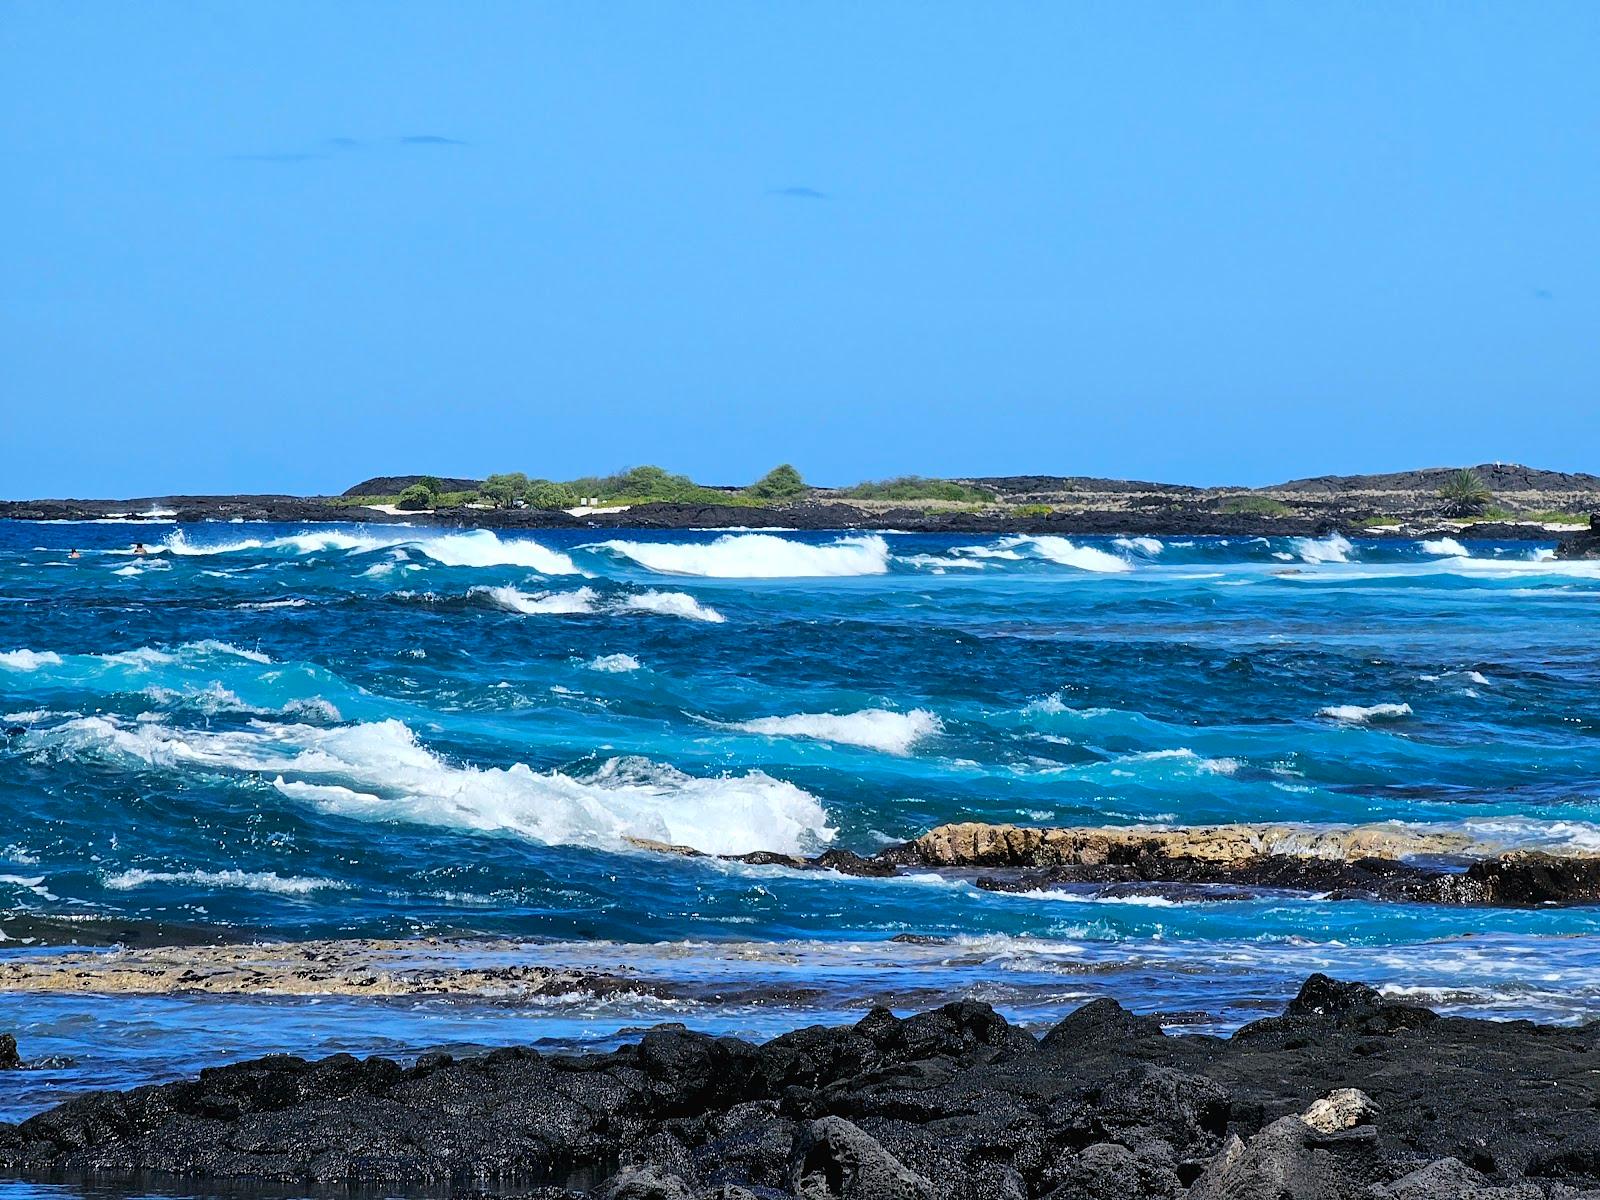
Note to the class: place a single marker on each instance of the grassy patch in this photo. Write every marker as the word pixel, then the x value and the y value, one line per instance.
pixel 1255 506
pixel 916 487
pixel 1541 516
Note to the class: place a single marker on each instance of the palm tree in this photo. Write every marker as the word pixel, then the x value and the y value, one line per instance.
pixel 1465 495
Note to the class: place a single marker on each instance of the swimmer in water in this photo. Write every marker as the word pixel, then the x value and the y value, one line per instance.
pixel 138 548
pixel 74 554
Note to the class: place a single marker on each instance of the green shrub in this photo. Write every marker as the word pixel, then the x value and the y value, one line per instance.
pixel 415 498
pixel 1255 506
pixel 780 483
pixel 916 487
pixel 505 490
pixel 653 485
pixel 541 493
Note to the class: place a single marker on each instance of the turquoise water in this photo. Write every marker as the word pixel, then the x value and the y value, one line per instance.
pixel 351 732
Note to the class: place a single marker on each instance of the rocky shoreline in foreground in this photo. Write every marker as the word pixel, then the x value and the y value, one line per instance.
pixel 1347 1095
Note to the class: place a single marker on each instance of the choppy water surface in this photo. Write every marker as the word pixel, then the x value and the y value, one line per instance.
pixel 352 732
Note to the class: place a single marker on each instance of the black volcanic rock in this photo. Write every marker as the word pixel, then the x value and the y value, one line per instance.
pixel 1347 1095
pixel 393 485
pixel 1582 545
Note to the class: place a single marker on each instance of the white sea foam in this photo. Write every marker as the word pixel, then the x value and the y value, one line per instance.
pixel 586 600
pixel 1334 548
pixel 482 548
pixel 941 562
pixel 509 598
pixel 1534 833
pixel 1356 714
pixel 213 699
pixel 474 548
pixel 1068 554
pixel 288 602
pixel 1005 553
pixel 1445 547
pixel 29 660
pixel 378 771
pixel 672 604
pixel 254 881
pixel 613 664
pixel 1145 545
pixel 759 556
pixel 874 728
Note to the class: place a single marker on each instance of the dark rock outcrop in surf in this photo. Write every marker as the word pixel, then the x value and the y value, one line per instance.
pixel 1346 1094
pixel 1582 545
pixel 1225 862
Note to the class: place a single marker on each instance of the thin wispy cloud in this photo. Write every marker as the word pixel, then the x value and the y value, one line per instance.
pixel 275 158
pixel 341 145
pixel 799 193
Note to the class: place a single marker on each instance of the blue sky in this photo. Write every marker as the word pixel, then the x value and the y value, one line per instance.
pixel 286 246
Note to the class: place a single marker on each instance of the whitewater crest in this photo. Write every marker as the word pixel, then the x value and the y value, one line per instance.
pixel 29 660
pixel 143 658
pixel 379 771
pixel 582 600
pixel 613 664
pixel 873 728
pixel 253 881
pixel 1334 548
pixel 473 548
pixel 1357 714
pixel 1066 553
pixel 587 600
pixel 758 556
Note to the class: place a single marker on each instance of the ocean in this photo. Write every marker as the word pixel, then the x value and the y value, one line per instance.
pixel 267 732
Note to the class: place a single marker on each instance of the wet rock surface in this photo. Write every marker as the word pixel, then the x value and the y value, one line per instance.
pixel 1347 1094
pixel 1584 545
pixel 1382 862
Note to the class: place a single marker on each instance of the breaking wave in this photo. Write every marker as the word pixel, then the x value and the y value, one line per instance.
pixel 613 664
pixel 1334 548
pixel 673 604
pixel 758 556
pixel 509 598
pixel 874 728
pixel 1355 714
pixel 1067 554
pixel 474 548
pixel 379 771
pixel 587 600
pixel 29 660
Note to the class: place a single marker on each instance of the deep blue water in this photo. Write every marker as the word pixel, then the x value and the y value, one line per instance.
pixel 384 731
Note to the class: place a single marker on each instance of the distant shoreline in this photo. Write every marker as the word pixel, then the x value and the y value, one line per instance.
pixel 1172 518
pixel 1509 502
